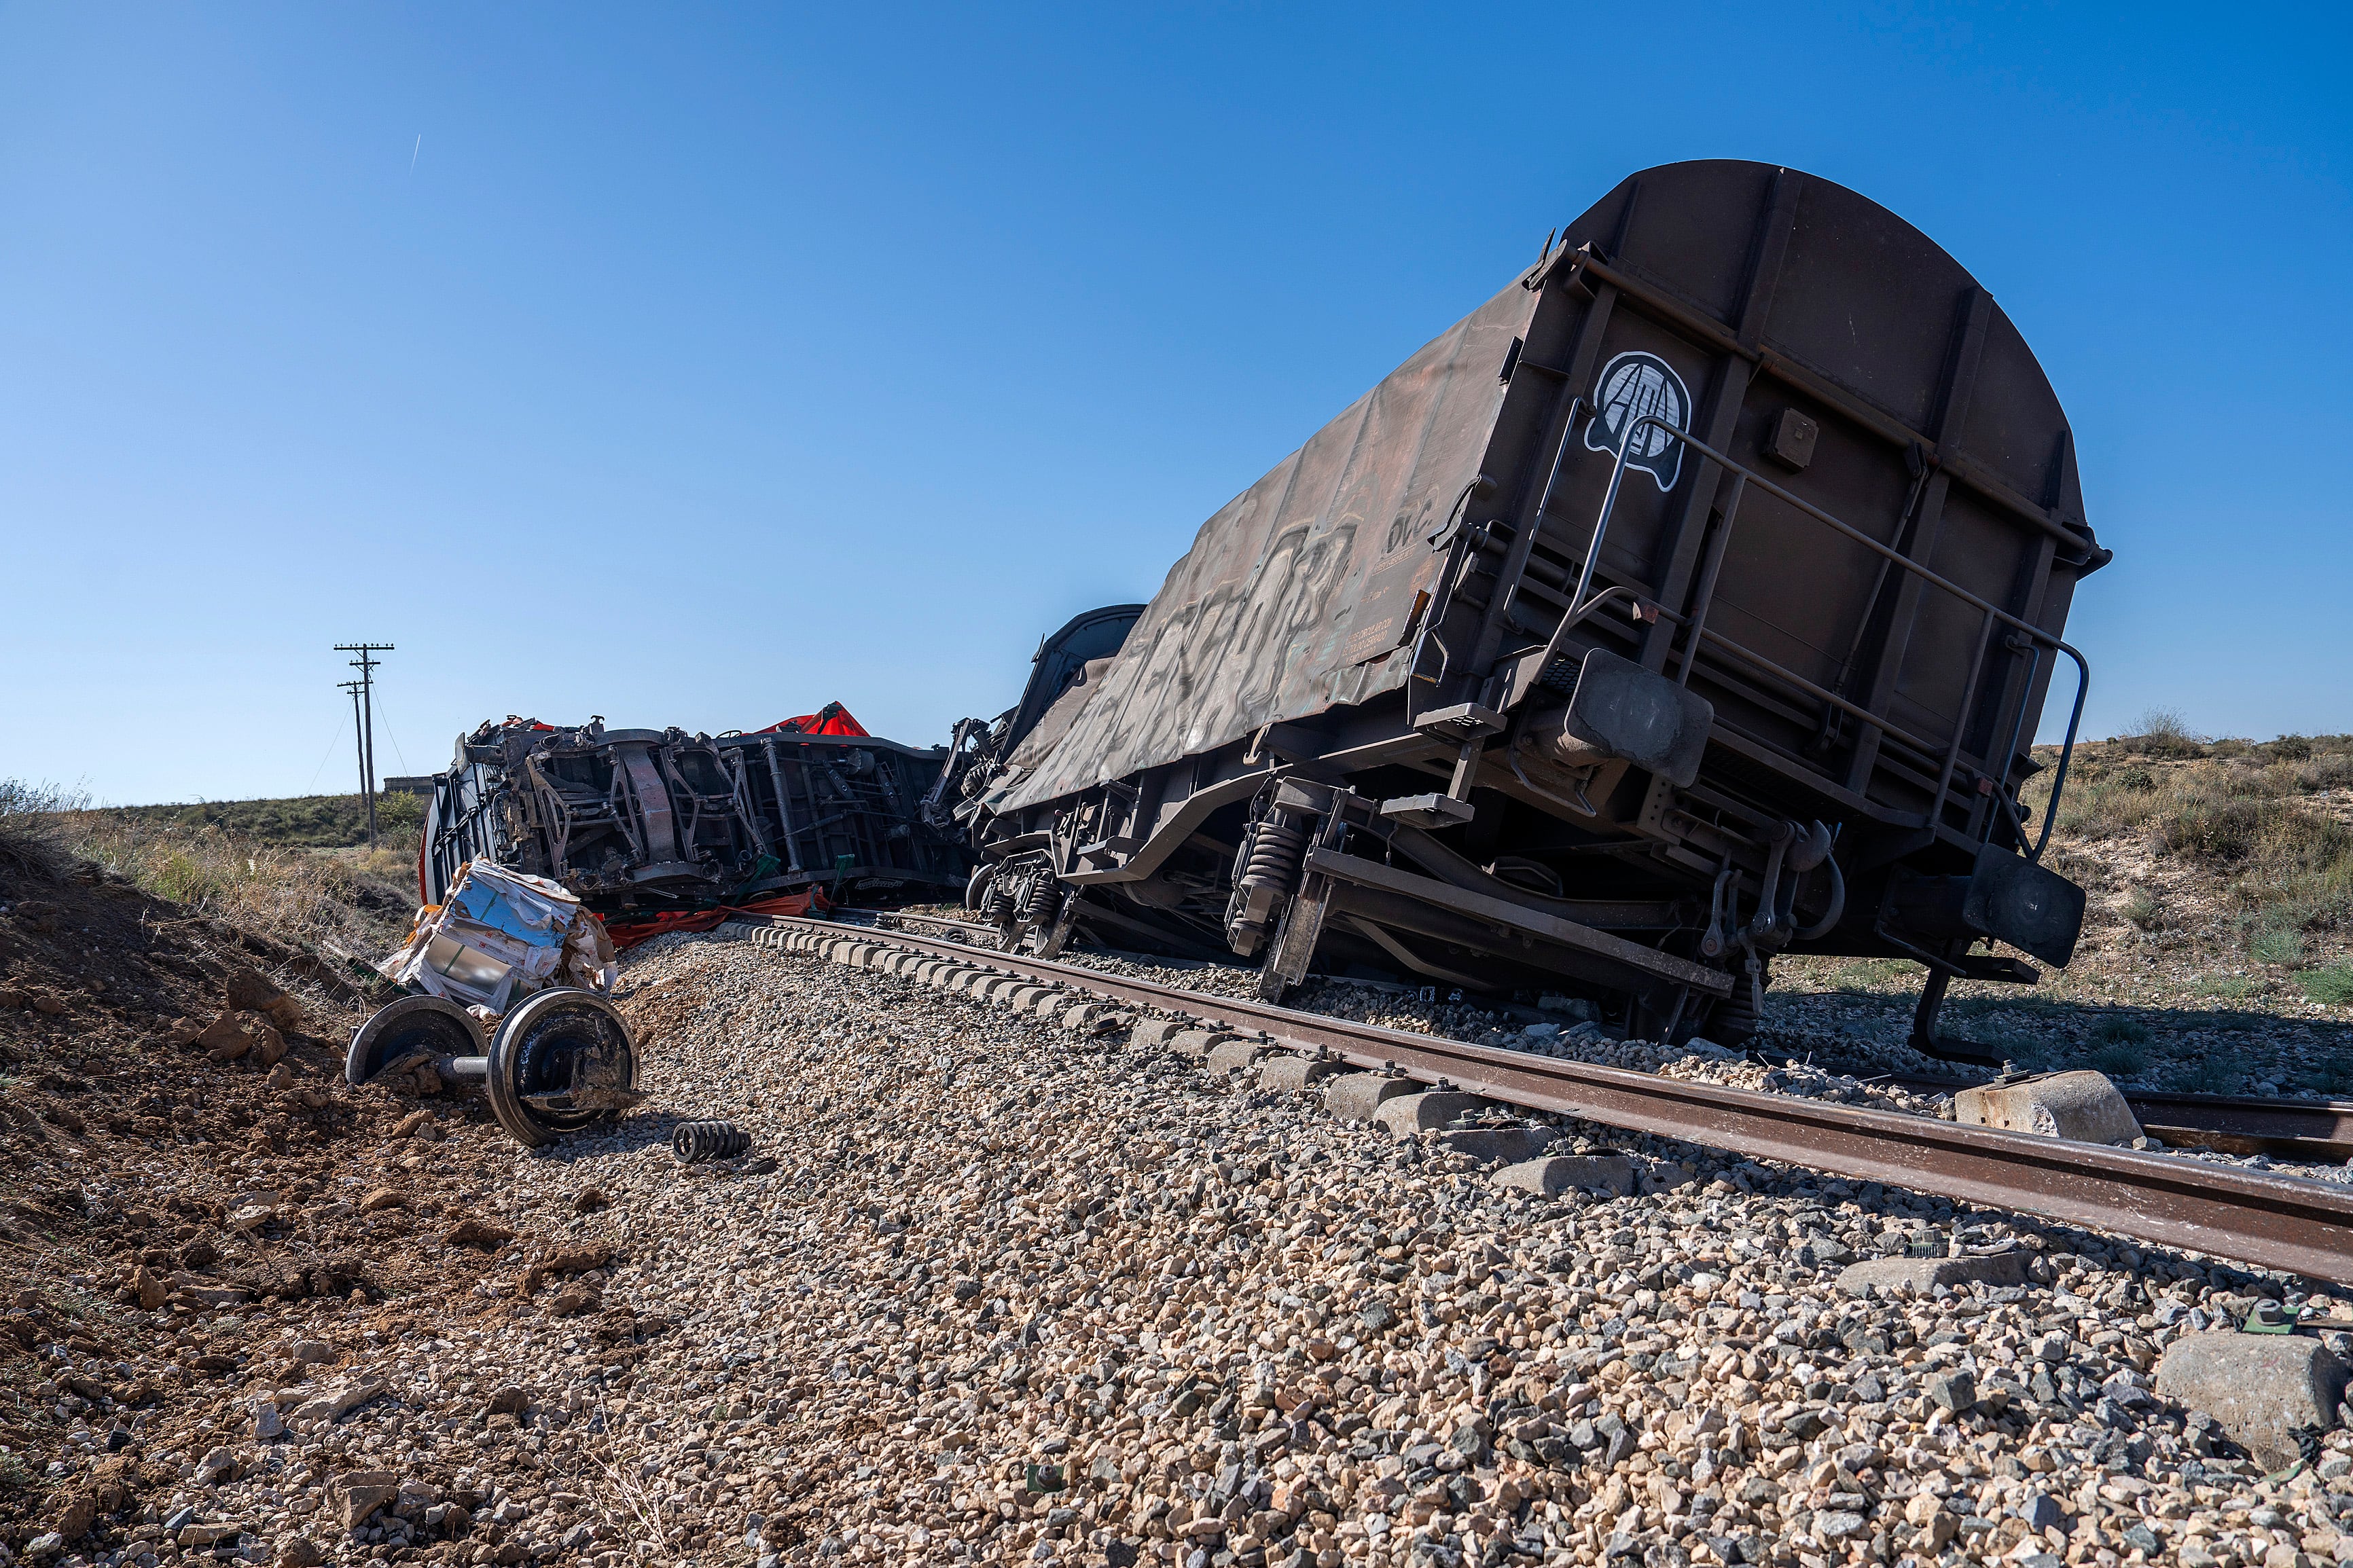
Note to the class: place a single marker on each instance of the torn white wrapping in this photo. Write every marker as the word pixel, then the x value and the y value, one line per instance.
pixel 501 935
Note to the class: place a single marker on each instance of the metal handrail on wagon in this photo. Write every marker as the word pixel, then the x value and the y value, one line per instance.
pixel 1697 631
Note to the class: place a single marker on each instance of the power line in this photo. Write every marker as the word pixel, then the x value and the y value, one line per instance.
pixel 366 664
pixel 323 763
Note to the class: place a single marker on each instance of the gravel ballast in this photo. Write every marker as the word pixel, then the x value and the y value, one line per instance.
pixel 988 1290
pixel 1011 1293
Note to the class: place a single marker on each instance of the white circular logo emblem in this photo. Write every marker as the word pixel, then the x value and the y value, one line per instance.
pixel 1633 385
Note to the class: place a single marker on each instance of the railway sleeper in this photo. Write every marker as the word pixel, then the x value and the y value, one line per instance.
pixel 1048 1004
pixel 2254 1217
pixel 2267 1391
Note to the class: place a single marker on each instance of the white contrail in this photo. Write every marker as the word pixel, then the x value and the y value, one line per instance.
pixel 415 149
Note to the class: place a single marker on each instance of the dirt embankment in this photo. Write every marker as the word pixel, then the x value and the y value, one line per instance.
pixel 205 1226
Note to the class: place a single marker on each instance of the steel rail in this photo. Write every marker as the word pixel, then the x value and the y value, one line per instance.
pixel 2309 1128
pixel 2314 1132
pixel 2317 1131
pixel 2255 1217
pixel 889 919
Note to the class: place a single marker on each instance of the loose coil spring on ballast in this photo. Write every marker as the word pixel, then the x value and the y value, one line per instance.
pixel 696 1141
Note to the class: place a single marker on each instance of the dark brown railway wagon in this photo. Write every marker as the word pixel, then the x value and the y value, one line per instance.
pixel 1695 599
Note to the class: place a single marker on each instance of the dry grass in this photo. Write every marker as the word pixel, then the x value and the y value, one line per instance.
pixel 32 848
pixel 305 896
pixel 308 822
pixel 2268 819
pixel 296 894
pixel 630 1505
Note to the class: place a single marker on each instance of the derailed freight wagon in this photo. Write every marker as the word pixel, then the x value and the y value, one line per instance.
pixel 1693 600
pixel 643 824
pixel 1065 659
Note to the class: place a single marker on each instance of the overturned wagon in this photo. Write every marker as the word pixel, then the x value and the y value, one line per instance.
pixel 1693 601
pixel 643 825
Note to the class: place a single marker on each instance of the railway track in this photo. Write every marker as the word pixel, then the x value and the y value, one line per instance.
pixel 2256 1217
pixel 2317 1130
pixel 2308 1131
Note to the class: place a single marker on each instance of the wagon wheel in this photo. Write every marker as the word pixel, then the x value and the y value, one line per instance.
pixel 562 1061
pixel 1055 937
pixel 410 1027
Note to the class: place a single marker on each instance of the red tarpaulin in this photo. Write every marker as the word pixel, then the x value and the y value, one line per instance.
pixel 832 719
pixel 628 930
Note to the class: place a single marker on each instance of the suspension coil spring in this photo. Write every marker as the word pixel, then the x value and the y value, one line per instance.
pixel 996 903
pixel 1038 907
pixel 1277 848
pixel 696 1141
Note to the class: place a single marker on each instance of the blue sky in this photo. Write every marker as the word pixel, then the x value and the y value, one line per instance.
pixel 699 365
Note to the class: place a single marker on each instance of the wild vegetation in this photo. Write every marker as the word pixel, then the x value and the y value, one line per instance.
pixel 320 897
pixel 296 822
pixel 2237 843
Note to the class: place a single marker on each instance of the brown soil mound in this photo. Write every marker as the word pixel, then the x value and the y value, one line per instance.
pixel 193 1193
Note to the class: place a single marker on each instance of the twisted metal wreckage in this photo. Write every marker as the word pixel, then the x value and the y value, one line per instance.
pixel 547 847
pixel 510 976
pixel 659 829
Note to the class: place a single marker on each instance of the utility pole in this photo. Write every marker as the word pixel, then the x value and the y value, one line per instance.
pixel 366 664
pixel 359 736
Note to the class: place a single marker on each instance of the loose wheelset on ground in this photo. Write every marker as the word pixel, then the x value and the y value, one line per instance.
pixel 562 1061
pixel 412 1030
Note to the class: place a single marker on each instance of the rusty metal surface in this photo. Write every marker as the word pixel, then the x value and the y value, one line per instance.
pixel 2314 1132
pixel 2253 1217
pixel 2307 1150
pixel 1821 303
pixel 1299 594
pixel 2328 1121
pixel 1745 438
pixel 639 822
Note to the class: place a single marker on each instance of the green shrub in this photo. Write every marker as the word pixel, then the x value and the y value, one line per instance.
pixel 2164 733
pixel 2230 987
pixel 2144 910
pixel 2277 944
pixel 32 846
pixel 2105 807
pixel 2117 1030
pixel 2212 1074
pixel 2332 772
pixel 2119 1060
pixel 2333 986
pixel 1868 973
pixel 2333 1077
pixel 2212 824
